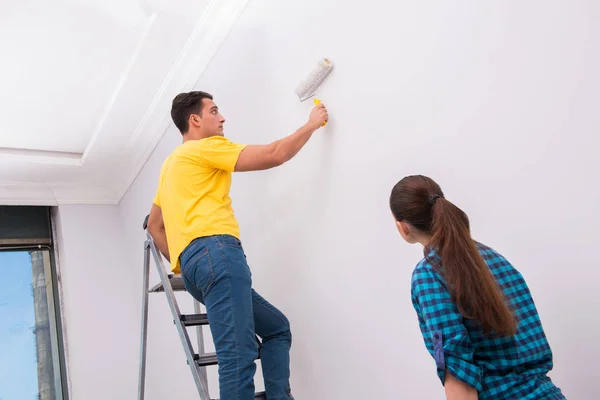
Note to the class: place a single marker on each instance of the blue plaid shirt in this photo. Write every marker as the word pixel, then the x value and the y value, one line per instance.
pixel 499 368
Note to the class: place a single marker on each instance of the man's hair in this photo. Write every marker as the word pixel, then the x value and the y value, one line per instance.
pixel 185 104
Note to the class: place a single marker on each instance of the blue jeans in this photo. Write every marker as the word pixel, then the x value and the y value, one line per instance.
pixel 215 272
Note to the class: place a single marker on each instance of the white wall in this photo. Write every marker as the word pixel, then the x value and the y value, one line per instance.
pixel 98 309
pixel 495 102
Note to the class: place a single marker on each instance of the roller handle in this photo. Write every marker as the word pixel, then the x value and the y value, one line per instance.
pixel 317 102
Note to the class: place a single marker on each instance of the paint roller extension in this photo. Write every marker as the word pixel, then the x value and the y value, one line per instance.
pixel 308 88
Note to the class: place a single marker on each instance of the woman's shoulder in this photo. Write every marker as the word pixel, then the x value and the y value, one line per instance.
pixel 425 273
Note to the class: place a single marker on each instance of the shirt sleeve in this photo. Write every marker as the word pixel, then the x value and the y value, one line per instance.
pixel 156 199
pixel 445 335
pixel 220 153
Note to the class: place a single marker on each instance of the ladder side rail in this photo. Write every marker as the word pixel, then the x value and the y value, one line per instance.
pixel 144 330
pixel 181 329
pixel 201 350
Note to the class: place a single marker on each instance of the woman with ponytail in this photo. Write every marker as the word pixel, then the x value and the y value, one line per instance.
pixel 475 311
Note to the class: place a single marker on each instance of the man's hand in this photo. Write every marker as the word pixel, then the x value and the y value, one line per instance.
pixel 156 228
pixel 318 116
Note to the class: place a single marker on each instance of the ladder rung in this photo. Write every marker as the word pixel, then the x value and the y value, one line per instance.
pixel 194 319
pixel 257 396
pixel 176 284
pixel 207 359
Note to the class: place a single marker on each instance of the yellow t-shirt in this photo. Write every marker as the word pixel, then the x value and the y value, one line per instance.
pixel 193 193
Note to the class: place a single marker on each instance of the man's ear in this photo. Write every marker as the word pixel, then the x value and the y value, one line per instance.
pixel 194 120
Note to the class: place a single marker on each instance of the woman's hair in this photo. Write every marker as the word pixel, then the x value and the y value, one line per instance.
pixel 419 201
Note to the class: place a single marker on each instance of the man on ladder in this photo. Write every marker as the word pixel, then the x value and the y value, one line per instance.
pixel 192 223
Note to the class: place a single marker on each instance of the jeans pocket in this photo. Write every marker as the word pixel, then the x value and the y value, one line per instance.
pixel 199 270
pixel 235 259
pixel 231 241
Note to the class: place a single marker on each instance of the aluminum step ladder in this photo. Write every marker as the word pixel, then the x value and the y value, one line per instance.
pixel 169 284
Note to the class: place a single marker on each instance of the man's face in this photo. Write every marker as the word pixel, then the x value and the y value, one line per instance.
pixel 212 121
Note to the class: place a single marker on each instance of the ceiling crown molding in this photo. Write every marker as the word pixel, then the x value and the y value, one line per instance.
pixel 53 194
pixel 41 156
pixel 26 194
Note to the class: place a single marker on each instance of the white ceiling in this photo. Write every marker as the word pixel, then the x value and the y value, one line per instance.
pixel 86 87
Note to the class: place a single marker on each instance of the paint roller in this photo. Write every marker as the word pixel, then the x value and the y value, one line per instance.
pixel 308 87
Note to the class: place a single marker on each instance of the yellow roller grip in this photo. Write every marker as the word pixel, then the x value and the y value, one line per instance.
pixel 317 102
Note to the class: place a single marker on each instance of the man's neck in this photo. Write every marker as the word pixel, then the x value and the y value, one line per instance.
pixel 194 136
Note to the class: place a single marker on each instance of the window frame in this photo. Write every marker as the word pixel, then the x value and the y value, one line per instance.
pixel 48 244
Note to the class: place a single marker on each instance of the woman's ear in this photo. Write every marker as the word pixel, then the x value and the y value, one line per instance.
pixel 404 230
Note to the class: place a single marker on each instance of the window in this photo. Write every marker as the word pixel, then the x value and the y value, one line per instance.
pixel 32 359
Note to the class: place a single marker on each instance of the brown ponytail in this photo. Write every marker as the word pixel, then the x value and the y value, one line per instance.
pixel 419 201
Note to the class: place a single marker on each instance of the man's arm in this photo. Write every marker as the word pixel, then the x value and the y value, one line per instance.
pixel 458 390
pixel 156 228
pixel 261 157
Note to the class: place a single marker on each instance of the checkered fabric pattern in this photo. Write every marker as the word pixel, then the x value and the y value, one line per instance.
pixel 499 368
